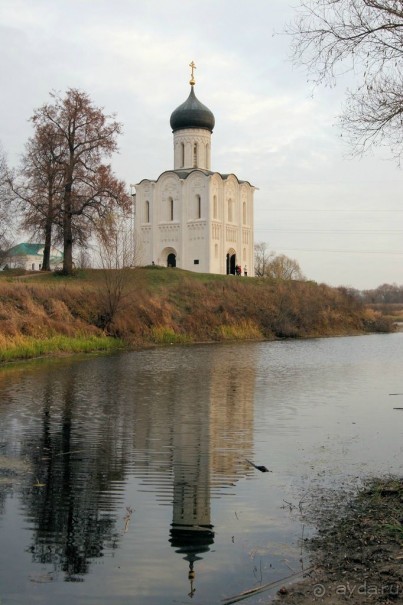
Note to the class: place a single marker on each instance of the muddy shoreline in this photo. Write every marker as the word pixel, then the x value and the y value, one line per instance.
pixel 357 553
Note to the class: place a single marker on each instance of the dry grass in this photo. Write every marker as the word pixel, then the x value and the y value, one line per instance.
pixel 244 330
pixel 160 306
pixel 390 311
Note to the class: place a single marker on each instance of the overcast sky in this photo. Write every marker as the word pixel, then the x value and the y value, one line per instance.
pixel 341 218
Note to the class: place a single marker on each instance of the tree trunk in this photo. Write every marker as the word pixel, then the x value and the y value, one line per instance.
pixel 48 231
pixel 67 233
pixel 48 244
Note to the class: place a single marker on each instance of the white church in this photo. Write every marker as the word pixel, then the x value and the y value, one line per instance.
pixel 192 217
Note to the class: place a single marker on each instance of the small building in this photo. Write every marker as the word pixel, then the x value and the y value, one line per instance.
pixel 193 217
pixel 30 257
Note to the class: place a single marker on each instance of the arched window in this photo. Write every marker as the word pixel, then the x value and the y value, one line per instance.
pixel 198 206
pixel 195 155
pixel 170 209
pixel 230 211
pixel 147 212
pixel 182 155
pixel 215 206
pixel 244 213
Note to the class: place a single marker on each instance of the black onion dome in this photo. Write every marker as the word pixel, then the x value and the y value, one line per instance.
pixel 192 114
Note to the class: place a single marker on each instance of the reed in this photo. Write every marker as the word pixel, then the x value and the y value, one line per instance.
pixel 164 336
pixel 28 347
pixel 244 330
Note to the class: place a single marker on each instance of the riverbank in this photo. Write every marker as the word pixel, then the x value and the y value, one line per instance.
pixel 357 554
pixel 46 314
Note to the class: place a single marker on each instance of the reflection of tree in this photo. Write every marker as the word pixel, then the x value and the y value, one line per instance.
pixel 180 423
pixel 73 473
pixel 3 495
pixel 5 479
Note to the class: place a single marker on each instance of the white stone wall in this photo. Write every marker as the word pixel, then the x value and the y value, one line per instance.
pixel 192 148
pixel 200 218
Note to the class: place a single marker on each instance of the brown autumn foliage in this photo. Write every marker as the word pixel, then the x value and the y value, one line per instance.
pixel 64 183
pixel 183 307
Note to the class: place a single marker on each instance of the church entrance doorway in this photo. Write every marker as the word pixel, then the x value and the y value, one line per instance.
pixel 171 260
pixel 231 262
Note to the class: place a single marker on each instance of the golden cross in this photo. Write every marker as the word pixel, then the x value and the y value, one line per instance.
pixel 192 80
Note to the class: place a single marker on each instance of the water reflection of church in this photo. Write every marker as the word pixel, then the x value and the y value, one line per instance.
pixel 181 423
pixel 209 433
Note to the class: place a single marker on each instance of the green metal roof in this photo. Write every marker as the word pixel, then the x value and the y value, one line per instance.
pixel 28 250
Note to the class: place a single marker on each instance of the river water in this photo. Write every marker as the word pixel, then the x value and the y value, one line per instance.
pixel 125 479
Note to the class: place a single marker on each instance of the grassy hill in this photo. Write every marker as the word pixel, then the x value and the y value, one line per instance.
pixel 101 310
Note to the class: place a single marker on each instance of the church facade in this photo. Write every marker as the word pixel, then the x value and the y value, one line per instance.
pixel 192 217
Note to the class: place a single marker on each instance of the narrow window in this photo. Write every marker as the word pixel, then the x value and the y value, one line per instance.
pixel 207 157
pixel 171 209
pixel 195 155
pixel 244 213
pixel 33 266
pixel 182 155
pixel 230 212
pixel 147 212
pixel 215 206
pixel 198 206
pixel 216 250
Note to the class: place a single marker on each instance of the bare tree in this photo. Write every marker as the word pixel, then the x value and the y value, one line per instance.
pixel 262 259
pixel 83 258
pixel 269 264
pixel 6 206
pixel 331 37
pixel 89 188
pixel 117 255
pixel 114 242
pixel 283 267
pixel 385 293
